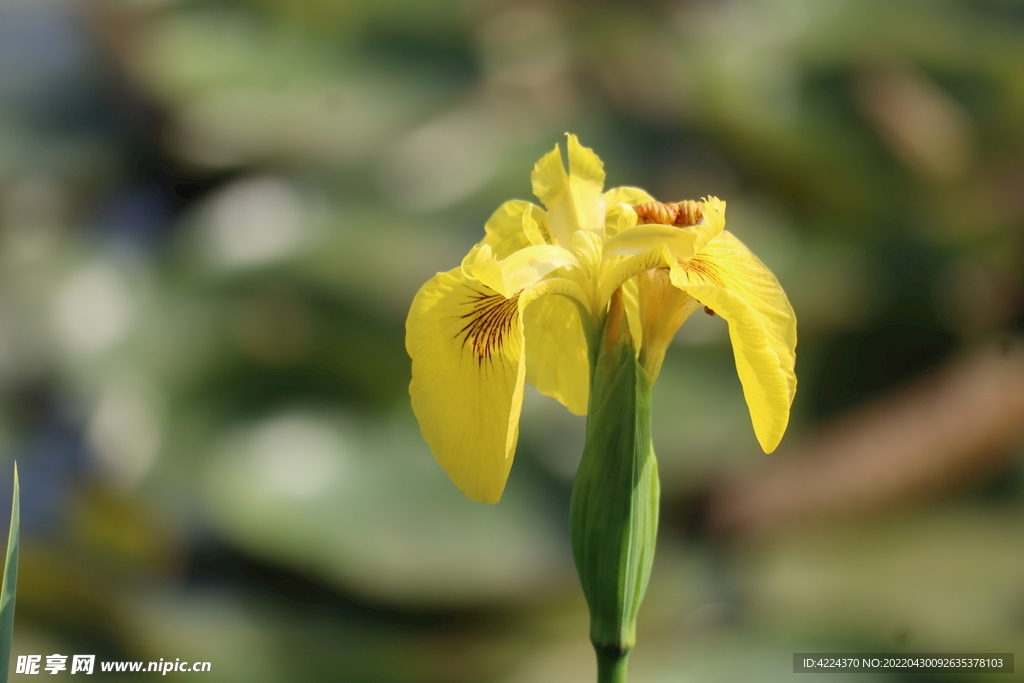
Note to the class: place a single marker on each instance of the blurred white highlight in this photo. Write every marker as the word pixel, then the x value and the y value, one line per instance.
pixel 296 456
pixel 255 221
pixel 93 309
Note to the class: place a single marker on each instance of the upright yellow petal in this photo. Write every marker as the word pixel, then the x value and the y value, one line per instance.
pixel 574 200
pixel 466 343
pixel 535 225
pixel 617 218
pixel 727 278
pixel 556 352
pixel 549 178
pixel 584 165
pixel 627 195
pixel 515 226
pixel 588 249
pixel 505 233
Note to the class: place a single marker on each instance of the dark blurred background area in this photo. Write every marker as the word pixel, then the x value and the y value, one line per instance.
pixel 214 215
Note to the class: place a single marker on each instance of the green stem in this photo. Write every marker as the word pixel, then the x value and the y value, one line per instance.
pixel 614 507
pixel 611 667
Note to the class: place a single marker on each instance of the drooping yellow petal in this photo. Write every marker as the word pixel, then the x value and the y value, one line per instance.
pixel 574 200
pixel 662 310
pixel 466 342
pixel 727 278
pixel 556 352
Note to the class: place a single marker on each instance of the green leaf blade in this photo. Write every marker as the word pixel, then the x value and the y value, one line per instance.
pixel 10 583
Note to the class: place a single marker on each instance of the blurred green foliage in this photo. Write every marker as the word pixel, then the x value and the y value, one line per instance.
pixel 213 217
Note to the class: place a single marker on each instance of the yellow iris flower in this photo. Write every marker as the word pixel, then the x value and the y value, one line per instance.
pixel 527 303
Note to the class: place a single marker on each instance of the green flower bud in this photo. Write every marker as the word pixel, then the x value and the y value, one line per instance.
pixel 614 508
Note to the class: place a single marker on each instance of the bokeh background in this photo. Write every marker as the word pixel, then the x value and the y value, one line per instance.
pixel 214 215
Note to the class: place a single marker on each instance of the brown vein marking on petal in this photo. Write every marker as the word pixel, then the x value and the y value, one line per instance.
pixel 488 323
pixel 681 214
pixel 705 269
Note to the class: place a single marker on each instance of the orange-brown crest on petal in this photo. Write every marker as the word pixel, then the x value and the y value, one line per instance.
pixel 681 214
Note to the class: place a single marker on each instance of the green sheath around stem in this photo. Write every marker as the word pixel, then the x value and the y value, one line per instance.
pixel 614 508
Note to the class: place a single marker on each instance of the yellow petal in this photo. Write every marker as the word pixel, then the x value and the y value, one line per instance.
pixel 549 178
pixel 617 218
pixel 466 341
pixel 662 310
pixel 631 302
pixel 616 276
pixel 620 202
pixel 574 200
pixel 556 352
pixel 527 266
pixel 727 278
pixel 507 230
pixel 627 195
pixel 588 249
pixel 584 165
pixel 520 270
pixel 711 223
pixel 637 240
pixel 533 220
